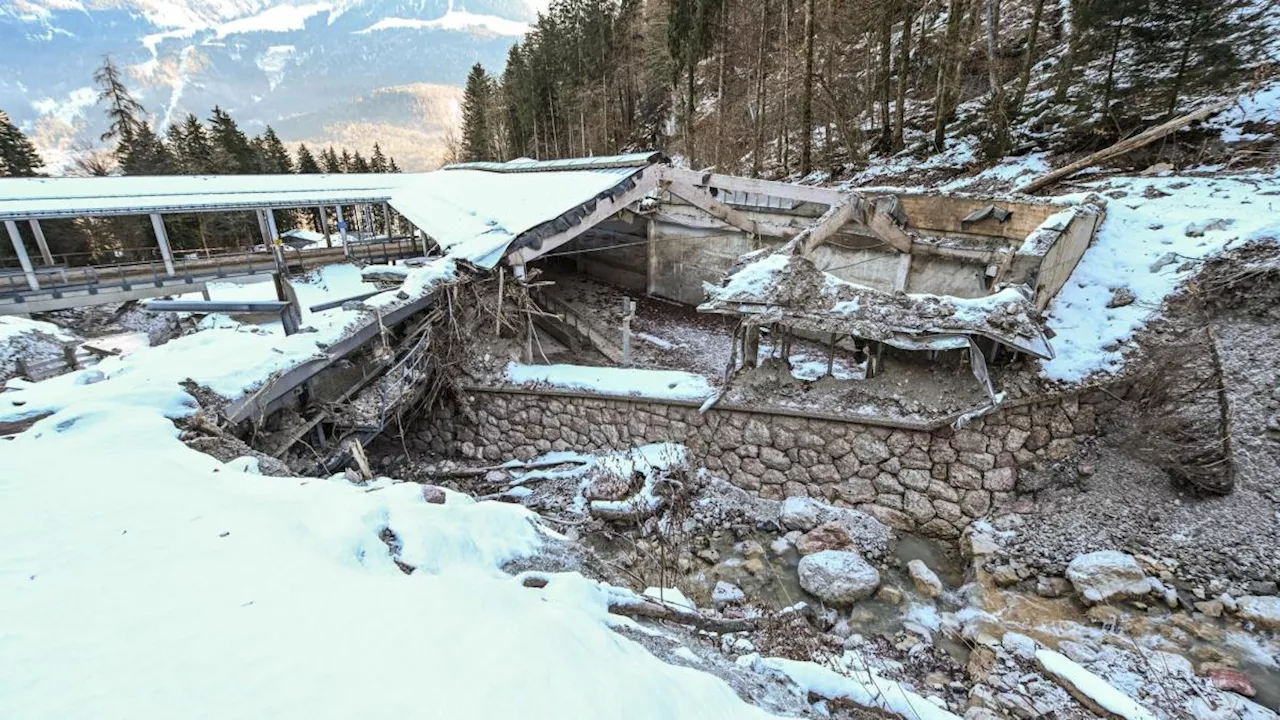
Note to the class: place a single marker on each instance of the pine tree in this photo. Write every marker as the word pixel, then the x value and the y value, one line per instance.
pixel 273 158
pixel 144 154
pixel 476 100
pixel 18 155
pixel 392 167
pixel 193 153
pixel 232 153
pixel 359 164
pixel 332 164
pixel 348 162
pixel 378 162
pixel 307 164
pixel 125 113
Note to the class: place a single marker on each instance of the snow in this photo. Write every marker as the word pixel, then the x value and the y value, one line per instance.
pixel 863 687
pixel 670 596
pixel 1131 248
pixel 11 326
pixel 474 215
pixel 621 382
pixel 280 18
pixel 1085 682
pixel 1260 108
pixel 755 278
pixel 460 20
pixel 139 578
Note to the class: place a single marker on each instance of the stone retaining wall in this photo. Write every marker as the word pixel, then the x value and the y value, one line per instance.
pixel 935 482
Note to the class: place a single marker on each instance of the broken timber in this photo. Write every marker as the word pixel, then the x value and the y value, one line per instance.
pixel 1143 138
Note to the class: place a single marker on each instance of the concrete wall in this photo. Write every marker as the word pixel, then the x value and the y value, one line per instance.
pixel 934 482
pixel 615 252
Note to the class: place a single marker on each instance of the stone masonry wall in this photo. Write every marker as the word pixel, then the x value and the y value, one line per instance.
pixel 934 482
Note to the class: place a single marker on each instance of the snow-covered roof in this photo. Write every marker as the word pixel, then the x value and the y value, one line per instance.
pixel 476 211
pixel 481 211
pixel 62 197
pixel 781 287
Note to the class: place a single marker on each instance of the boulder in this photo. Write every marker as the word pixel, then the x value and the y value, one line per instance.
pixel 1231 680
pixel 838 577
pixel 926 581
pixel 1107 575
pixel 800 513
pixel 1262 610
pixel 828 536
pixel 433 495
pixel 727 594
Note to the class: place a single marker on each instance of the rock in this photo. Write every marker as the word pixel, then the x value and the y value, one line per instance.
pixel 433 495
pixel 1107 575
pixel 1052 587
pixel 608 487
pixel 926 581
pixel 1004 576
pixel 1019 645
pixel 1121 297
pixel 1212 608
pixel 889 594
pixel 1231 680
pixel 828 536
pixel 1263 610
pixel 800 513
pixel 838 577
pixel 727 594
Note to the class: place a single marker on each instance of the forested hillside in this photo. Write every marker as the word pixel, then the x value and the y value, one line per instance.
pixel 787 87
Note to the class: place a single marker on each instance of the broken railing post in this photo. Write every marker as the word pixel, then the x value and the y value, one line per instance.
pixel 628 314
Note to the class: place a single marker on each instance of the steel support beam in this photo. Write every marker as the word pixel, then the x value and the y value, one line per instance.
pixel 41 242
pixel 162 239
pixel 21 250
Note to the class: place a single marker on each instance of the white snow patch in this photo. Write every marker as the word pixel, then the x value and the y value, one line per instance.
pixel 1091 685
pixel 670 596
pixel 1143 245
pixel 621 382
pixel 861 686
pixel 459 20
pixel 280 18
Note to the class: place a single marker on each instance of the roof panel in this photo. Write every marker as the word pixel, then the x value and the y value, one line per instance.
pixel 23 198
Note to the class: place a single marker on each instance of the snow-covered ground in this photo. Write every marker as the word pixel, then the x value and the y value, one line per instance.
pixel 1153 228
pixel 144 579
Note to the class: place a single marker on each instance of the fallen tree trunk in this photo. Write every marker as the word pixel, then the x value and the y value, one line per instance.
pixel 1141 139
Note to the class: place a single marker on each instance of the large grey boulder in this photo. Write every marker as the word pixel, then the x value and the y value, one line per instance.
pixel 800 513
pixel 1263 610
pixel 838 577
pixel 1107 575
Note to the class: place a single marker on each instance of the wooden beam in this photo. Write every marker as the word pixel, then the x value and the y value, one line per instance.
pixel 1124 146
pixel 645 183
pixel 881 221
pixel 703 200
pixel 789 191
pixel 826 226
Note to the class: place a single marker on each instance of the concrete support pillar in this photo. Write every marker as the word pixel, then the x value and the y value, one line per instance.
pixel 342 230
pixel 21 250
pixel 324 226
pixel 263 230
pixel 162 239
pixel 751 346
pixel 271 225
pixel 41 242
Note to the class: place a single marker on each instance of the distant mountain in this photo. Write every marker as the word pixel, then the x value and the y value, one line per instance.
pixel 299 65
